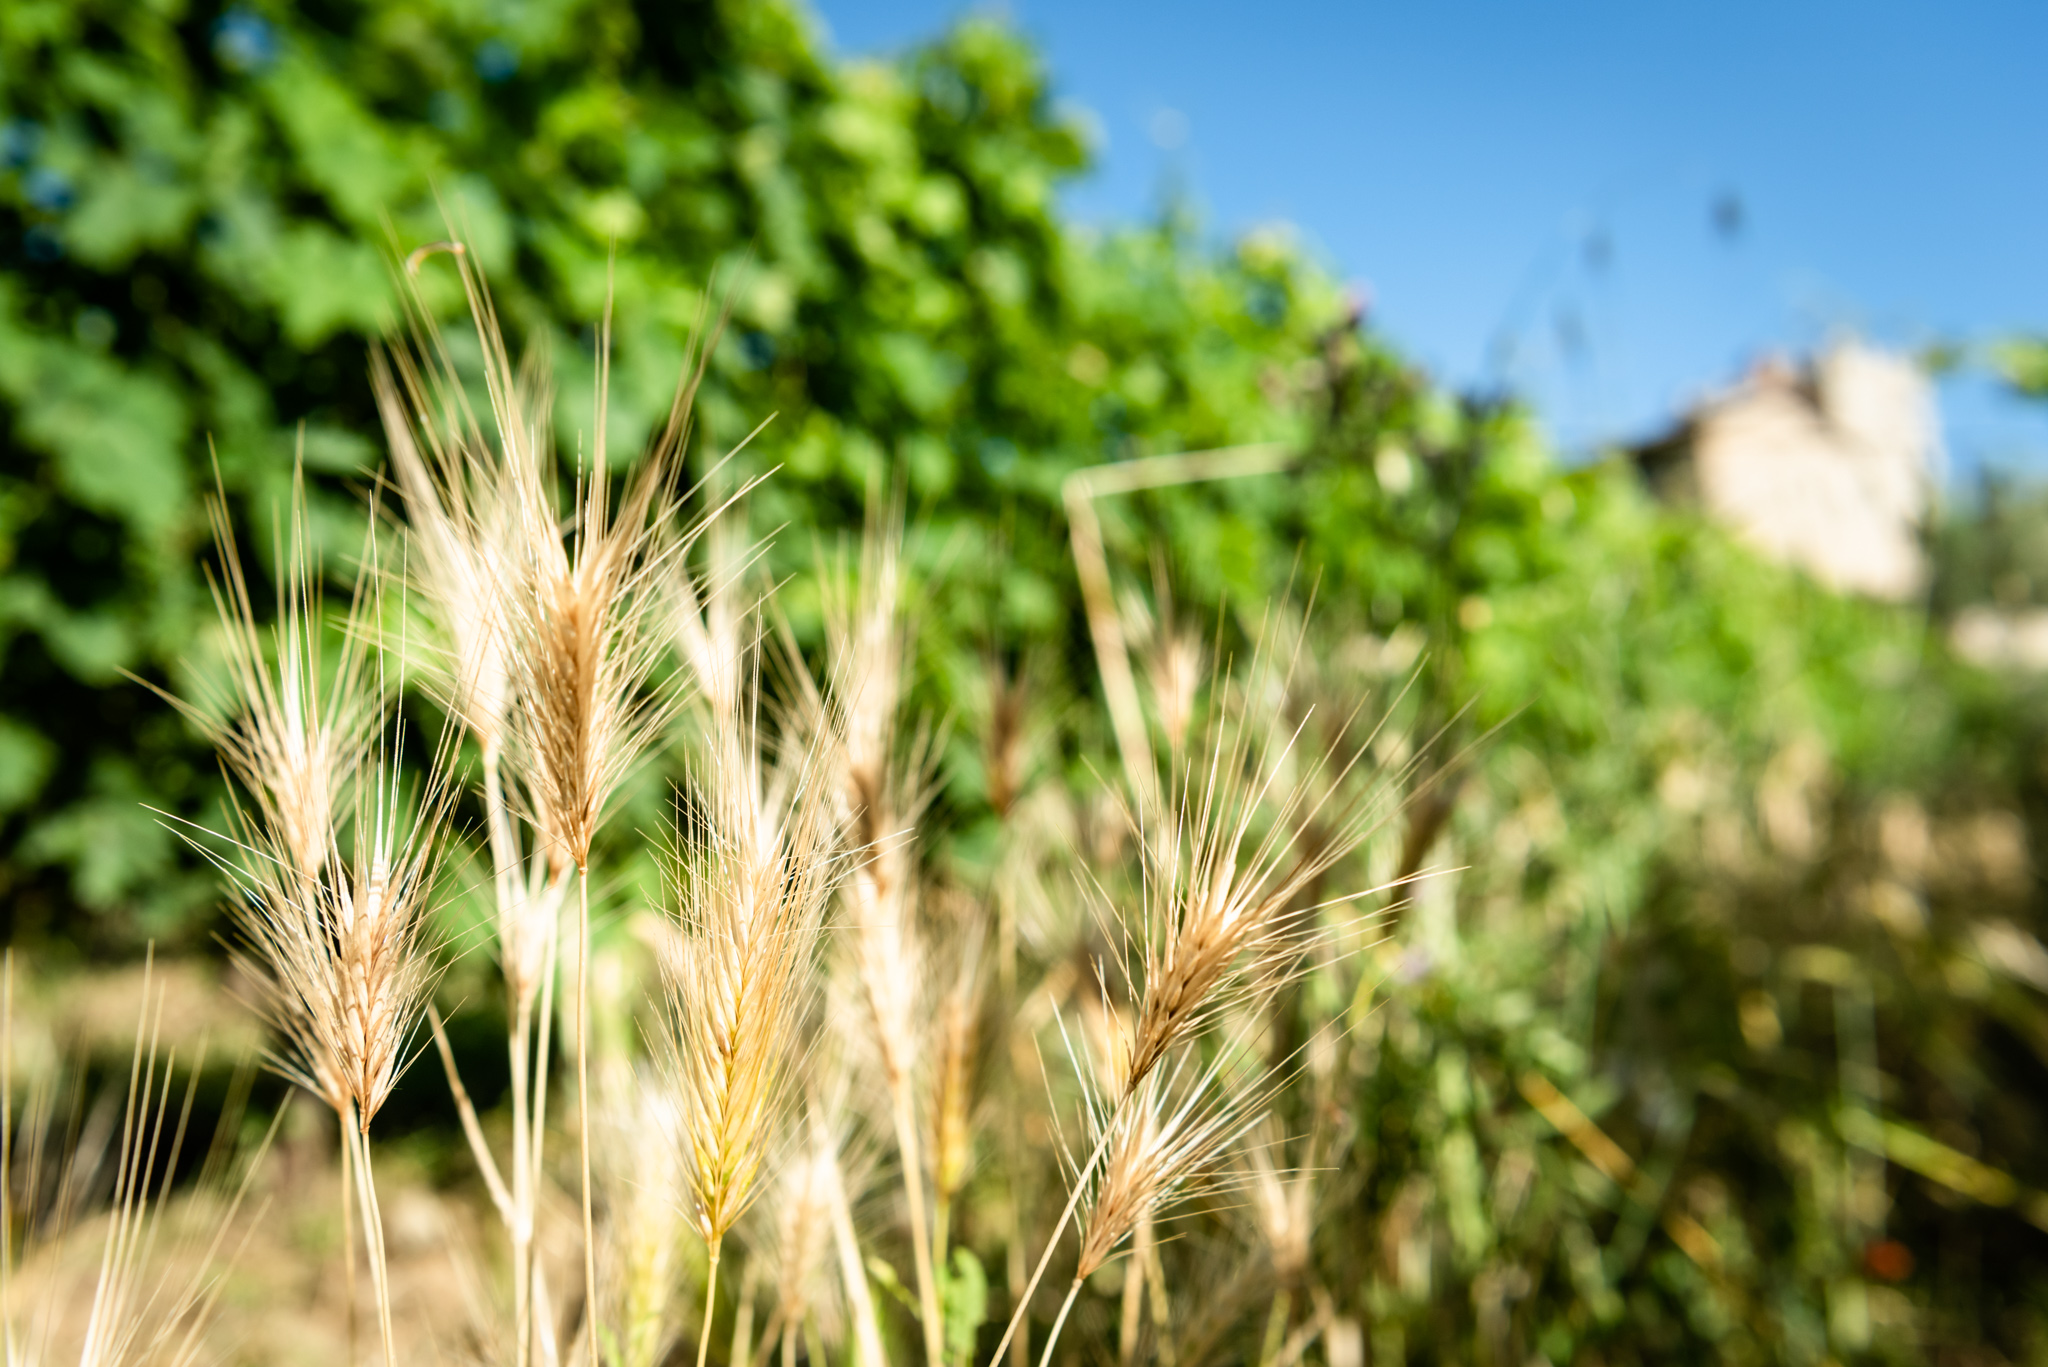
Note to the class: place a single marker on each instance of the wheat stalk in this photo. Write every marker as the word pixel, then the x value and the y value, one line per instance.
pixel 884 792
pixel 333 938
pixel 469 501
pixel 752 891
pixel 554 641
pixel 1221 921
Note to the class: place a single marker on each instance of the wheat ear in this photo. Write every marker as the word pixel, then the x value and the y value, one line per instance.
pixel 588 626
pixel 335 941
pixel 1160 1145
pixel 752 894
pixel 469 502
pixel 1220 921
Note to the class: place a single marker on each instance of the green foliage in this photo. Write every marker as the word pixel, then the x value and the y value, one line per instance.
pixel 2022 362
pixel 1724 869
pixel 202 207
pixel 1991 549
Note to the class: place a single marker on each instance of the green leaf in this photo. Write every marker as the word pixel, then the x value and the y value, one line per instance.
pixel 25 762
pixel 2022 362
pixel 324 283
pixel 964 1293
pixel 115 433
pixel 111 843
pixel 884 1276
pixel 123 210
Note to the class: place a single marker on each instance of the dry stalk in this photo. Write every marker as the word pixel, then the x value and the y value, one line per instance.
pixel 1091 565
pixel 885 790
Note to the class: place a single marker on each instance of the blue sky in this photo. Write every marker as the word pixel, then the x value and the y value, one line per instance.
pixel 1610 206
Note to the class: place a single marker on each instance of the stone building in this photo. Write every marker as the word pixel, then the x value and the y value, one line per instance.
pixel 1828 466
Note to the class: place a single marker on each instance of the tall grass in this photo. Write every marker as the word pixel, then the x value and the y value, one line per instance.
pixel 848 1057
pixel 102 1263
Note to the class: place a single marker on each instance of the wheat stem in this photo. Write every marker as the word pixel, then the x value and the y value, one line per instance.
pixel 544 1049
pixel 743 1321
pixel 942 1228
pixel 348 1235
pixel 498 821
pixel 920 1232
pixel 867 1334
pixel 1059 1322
pixel 710 1304
pixel 373 1235
pixel 7 1161
pixel 472 1129
pixel 518 1041
pixel 543 1328
pixel 1162 1309
pixel 1134 1297
pixel 1276 1328
pixel 1052 1243
pixel 583 1098
pixel 1013 1254
pixel 518 1038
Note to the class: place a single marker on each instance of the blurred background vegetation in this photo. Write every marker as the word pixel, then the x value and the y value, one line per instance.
pixel 1726 1040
